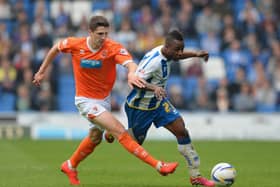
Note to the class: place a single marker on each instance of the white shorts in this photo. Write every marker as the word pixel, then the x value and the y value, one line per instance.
pixel 89 108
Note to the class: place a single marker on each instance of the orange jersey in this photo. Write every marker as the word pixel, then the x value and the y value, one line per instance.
pixel 94 71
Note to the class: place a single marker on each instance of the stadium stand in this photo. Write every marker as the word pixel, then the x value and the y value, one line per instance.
pixel 28 28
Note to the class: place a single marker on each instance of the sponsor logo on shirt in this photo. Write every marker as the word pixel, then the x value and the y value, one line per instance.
pixel 85 63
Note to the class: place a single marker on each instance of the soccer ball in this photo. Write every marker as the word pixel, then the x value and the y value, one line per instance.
pixel 223 174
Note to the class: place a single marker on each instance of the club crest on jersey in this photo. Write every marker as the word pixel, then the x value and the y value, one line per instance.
pixel 82 51
pixel 86 63
pixel 104 53
pixel 123 51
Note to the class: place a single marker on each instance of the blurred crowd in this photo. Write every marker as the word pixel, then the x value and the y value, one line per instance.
pixel 241 36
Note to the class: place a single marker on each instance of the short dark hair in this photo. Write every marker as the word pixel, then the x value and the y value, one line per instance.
pixel 97 21
pixel 174 35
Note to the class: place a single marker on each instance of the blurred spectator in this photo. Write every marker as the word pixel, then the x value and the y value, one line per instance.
pixel 41 9
pixel 235 57
pixel 229 32
pixel 235 87
pixel 269 33
pixel 176 97
pixel 5 9
pixel 82 28
pixel 41 24
pixel 222 100
pixel 62 23
pixel 274 70
pixel 148 40
pixel 256 73
pixel 208 21
pixel 23 101
pixel 244 101
pixel 250 18
pixel 211 42
pixel 126 35
pixel 265 96
pixel 165 22
pixel 221 8
pixel 145 20
pixel 202 102
pixel 265 6
pixel 45 100
pixel 193 68
pixel 7 76
pixel 249 13
pixel 185 20
pixel 4 34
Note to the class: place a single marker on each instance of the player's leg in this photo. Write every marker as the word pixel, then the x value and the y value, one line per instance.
pixel 87 145
pixel 85 148
pixel 186 148
pixel 107 121
pixel 169 117
pixel 139 122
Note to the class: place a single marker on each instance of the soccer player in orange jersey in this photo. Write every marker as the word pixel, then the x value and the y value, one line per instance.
pixel 94 60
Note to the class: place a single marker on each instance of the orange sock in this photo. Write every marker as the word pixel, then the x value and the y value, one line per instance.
pixel 85 148
pixel 133 147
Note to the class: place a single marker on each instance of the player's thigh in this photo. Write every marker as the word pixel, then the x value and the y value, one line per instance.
pixel 165 114
pixel 98 113
pixel 139 121
pixel 107 121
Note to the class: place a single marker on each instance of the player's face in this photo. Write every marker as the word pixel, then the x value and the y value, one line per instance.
pixel 174 48
pixel 98 36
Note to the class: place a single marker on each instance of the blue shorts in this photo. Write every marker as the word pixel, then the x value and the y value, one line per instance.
pixel 139 121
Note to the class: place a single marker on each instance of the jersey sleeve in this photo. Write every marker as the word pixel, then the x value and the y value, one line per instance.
pixel 146 70
pixel 66 45
pixel 122 56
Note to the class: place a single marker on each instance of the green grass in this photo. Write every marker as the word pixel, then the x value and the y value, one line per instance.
pixel 26 163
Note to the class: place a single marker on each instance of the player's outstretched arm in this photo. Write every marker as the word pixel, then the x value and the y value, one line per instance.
pixel 191 54
pixel 39 76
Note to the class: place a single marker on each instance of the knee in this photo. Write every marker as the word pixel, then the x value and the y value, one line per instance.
pixel 95 136
pixel 183 137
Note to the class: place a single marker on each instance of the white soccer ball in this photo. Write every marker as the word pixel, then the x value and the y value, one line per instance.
pixel 223 174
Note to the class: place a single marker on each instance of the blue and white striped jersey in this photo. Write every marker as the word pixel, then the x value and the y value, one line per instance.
pixel 155 69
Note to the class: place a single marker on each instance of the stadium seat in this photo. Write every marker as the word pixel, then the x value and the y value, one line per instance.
pixel 191 43
pixel 262 108
pixel 178 80
pixel 66 93
pixel 7 101
pixel 189 87
pixel 101 5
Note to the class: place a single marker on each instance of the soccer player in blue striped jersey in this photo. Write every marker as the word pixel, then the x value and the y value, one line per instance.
pixel 148 105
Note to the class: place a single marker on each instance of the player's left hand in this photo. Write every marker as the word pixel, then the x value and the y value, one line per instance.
pixel 160 93
pixel 203 54
pixel 135 80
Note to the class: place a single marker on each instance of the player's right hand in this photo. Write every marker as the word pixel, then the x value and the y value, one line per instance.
pixel 38 77
pixel 134 80
pixel 203 54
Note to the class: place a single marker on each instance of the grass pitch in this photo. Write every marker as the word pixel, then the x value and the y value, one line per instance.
pixel 27 163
